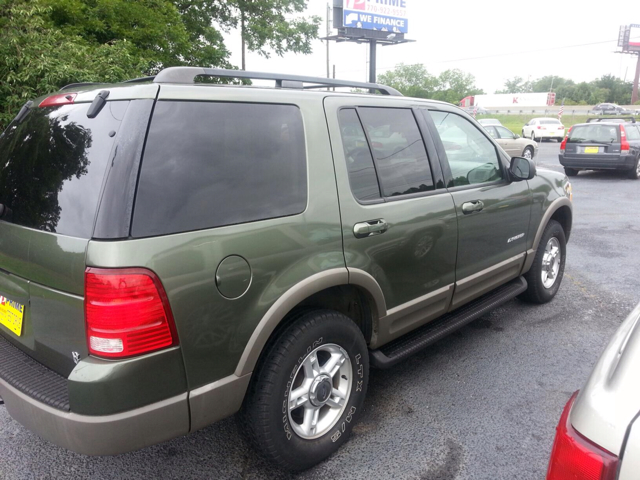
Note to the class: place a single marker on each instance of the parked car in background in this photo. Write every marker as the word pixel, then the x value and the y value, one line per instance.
pixel 598 436
pixel 478 110
pixel 610 109
pixel 513 144
pixel 543 128
pixel 603 144
pixel 489 121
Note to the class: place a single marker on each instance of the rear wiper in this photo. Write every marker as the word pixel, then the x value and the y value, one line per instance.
pixel 24 111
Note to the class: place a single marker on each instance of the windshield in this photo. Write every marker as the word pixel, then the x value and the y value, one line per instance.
pixel 550 122
pixel 594 134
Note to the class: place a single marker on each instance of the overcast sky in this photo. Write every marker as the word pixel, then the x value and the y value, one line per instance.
pixel 493 41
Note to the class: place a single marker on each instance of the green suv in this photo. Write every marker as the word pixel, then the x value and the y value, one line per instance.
pixel 174 251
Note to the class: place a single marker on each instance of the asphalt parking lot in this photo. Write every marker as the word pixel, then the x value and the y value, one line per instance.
pixel 481 404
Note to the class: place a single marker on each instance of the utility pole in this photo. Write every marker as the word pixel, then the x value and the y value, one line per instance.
pixel 372 61
pixel 328 34
pixel 634 95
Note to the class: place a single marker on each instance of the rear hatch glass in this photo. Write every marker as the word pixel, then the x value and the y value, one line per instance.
pixel 594 133
pixel 52 166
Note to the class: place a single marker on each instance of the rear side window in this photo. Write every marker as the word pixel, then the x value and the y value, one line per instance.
pixel 213 164
pixel 594 133
pixel 399 152
pixel 52 166
pixel 632 132
pixel 362 173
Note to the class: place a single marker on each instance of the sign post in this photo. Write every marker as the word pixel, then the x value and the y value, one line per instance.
pixel 629 41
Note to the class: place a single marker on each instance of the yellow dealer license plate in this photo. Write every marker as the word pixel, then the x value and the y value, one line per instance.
pixel 591 149
pixel 11 314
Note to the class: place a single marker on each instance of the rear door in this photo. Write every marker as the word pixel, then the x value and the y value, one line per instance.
pixel 52 169
pixel 493 212
pixel 398 220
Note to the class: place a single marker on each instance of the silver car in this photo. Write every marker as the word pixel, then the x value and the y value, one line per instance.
pixel 513 144
pixel 598 436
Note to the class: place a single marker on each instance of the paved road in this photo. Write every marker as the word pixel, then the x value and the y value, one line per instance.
pixel 481 404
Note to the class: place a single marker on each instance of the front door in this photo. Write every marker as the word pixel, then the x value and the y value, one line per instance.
pixel 493 211
pixel 398 219
pixel 508 142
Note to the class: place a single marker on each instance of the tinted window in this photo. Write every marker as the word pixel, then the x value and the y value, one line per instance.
pixel 632 132
pixel 398 149
pixel 505 133
pixel 52 166
pixel 594 133
pixel 472 157
pixel 213 164
pixel 362 173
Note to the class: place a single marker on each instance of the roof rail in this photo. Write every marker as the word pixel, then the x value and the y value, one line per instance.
pixel 140 80
pixel 188 75
pixel 612 119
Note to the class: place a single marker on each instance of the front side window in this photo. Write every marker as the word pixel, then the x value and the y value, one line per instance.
pixel 492 131
pixel 473 159
pixel 212 164
pixel 399 152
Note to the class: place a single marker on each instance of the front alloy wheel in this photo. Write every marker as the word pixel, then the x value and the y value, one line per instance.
pixel 546 272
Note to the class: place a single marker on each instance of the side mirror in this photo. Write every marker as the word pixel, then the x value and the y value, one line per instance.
pixel 516 136
pixel 522 169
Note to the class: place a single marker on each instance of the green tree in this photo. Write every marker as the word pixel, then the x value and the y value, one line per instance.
pixel 516 85
pixel 415 81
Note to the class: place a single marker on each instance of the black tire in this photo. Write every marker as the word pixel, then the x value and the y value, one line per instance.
pixel 264 417
pixel 536 292
pixel 634 173
pixel 570 172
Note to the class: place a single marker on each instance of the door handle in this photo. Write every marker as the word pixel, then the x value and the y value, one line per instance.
pixel 370 228
pixel 471 207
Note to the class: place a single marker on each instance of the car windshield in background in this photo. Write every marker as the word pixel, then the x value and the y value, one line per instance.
pixel 593 134
pixel 550 122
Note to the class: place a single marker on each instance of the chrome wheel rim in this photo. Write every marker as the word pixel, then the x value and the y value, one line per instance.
pixel 638 168
pixel 527 154
pixel 320 391
pixel 551 262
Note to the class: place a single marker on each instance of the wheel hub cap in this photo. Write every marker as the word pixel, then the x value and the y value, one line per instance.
pixel 551 261
pixel 320 391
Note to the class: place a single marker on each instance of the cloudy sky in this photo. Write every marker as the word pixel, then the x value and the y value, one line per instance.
pixel 492 40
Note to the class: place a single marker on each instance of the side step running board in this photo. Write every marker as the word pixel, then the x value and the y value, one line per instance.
pixel 394 352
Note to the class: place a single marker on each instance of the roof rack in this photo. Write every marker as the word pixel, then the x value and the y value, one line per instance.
pixel 612 119
pixel 188 75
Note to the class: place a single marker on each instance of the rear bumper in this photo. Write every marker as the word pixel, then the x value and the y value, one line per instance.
pixel 623 162
pixel 100 435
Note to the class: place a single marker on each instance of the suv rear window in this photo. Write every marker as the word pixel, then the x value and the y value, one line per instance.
pixel 550 122
pixel 594 133
pixel 212 164
pixel 52 166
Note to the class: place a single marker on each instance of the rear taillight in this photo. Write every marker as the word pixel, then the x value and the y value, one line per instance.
pixel 561 127
pixel 624 144
pixel 539 127
pixel 127 312
pixel 573 457
pixel 563 145
pixel 57 100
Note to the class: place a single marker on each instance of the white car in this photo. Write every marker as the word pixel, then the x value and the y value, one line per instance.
pixel 598 436
pixel 539 129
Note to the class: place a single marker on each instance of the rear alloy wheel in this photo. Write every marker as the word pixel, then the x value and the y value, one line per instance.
pixel 634 174
pixel 547 270
pixel 528 153
pixel 570 172
pixel 308 391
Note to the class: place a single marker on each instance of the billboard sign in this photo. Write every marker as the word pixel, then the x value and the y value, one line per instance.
pixel 634 37
pixel 380 15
